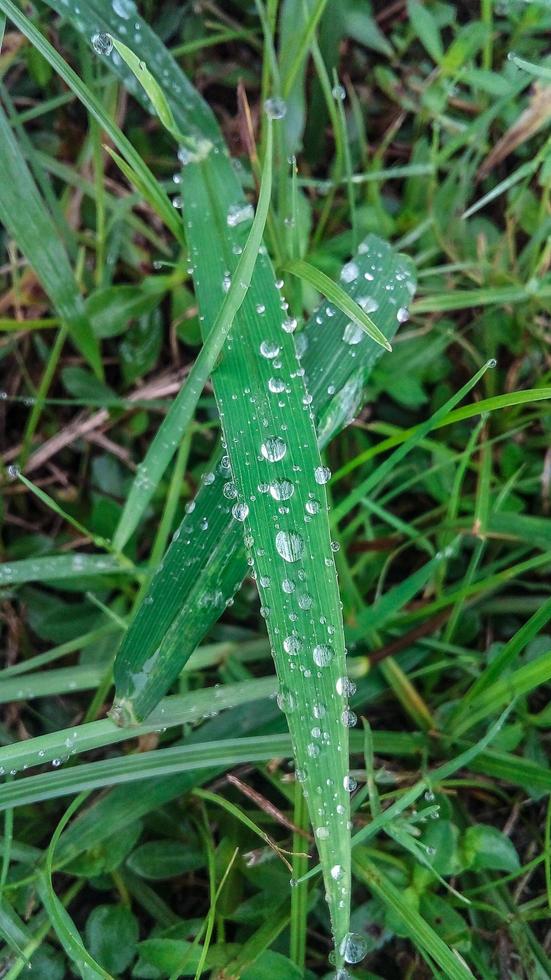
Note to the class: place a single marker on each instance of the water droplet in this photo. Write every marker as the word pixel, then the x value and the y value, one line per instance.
pixel 56 763
pixel 276 385
pixel 339 93
pixel 322 833
pixel 305 601
pixel 318 711
pixel 313 750
pixel 288 586
pixel 322 655
pixel 289 545
pixel 124 8
pixel 349 784
pixel 273 449
pixel 282 489
pixel 322 474
pixel 353 947
pixel 345 686
pixel 226 283
pixel 275 108
pixel 289 324
pixel 260 308
pixel 349 718
pixel 269 349
pixel 230 491
pixel 402 314
pixel 353 334
pixel 337 872
pixel 350 272
pixel 292 645
pixel 13 471
pixel 102 43
pixel 240 511
pixel 429 796
pixel 238 213
pixel 286 700
pixel 312 506
pixel 368 304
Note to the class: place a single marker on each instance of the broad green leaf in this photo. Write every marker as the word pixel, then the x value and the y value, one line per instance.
pixel 485 846
pixel 25 216
pixel 111 935
pixel 426 28
pixel 158 860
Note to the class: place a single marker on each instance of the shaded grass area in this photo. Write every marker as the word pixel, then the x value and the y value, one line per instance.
pixel 408 122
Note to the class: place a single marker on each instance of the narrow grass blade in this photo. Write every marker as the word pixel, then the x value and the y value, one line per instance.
pixel 518 683
pixel 61 567
pixel 181 414
pixel 206 561
pixel 149 186
pixel 420 932
pixel 170 713
pixel 27 219
pixel 280 499
pixel 337 295
pixel 62 922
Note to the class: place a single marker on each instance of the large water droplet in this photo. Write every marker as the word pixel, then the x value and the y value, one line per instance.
pixel 322 654
pixel 292 645
pixel 402 314
pixel 269 349
pixel 282 489
pixel 353 334
pixel 240 511
pixel 273 449
pixel 102 43
pixel 350 272
pixel 289 545
pixel 275 108
pixel 238 213
pixel 353 947
pixel 322 474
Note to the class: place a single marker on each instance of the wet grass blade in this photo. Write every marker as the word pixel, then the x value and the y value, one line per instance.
pixel 206 562
pixel 149 186
pixel 181 413
pixel 337 295
pixel 27 219
pixel 277 482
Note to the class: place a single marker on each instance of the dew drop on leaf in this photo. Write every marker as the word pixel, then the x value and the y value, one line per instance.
pixel 273 449
pixel 102 43
pixel 322 655
pixel 289 545
pixel 282 489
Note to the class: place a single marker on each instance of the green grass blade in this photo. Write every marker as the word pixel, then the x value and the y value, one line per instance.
pixel 420 932
pixel 61 567
pixel 206 562
pixel 170 713
pixel 337 295
pixel 27 219
pixel 181 413
pixel 149 186
pixel 276 471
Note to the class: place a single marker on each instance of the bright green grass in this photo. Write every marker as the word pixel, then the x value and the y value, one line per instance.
pixel 195 564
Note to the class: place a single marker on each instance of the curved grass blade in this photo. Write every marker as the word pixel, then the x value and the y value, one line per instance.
pixel 181 413
pixel 28 221
pixel 206 563
pixel 149 186
pixel 337 295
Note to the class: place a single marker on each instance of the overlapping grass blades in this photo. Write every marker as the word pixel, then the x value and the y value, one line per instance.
pixel 27 219
pixel 206 561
